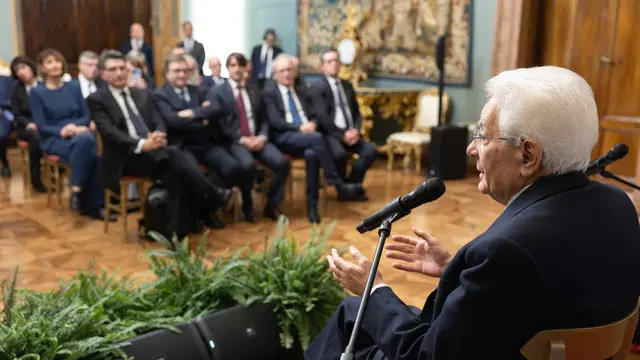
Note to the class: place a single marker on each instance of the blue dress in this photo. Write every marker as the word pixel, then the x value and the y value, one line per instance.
pixel 51 111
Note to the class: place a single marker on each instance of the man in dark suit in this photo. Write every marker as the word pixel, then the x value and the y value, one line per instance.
pixel 135 143
pixel 294 128
pixel 335 105
pixel 540 266
pixel 245 133
pixel 215 78
pixel 186 112
pixel 136 42
pixel 262 57
pixel 192 46
pixel 88 79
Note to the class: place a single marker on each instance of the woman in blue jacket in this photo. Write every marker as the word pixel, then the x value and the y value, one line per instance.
pixel 62 118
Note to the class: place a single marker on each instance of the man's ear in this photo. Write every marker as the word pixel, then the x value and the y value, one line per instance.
pixel 531 157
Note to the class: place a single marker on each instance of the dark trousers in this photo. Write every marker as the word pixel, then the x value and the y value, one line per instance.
pixel 334 338
pixel 81 152
pixel 5 129
pixel 219 159
pixel 313 147
pixel 191 194
pixel 35 153
pixel 341 153
pixel 273 159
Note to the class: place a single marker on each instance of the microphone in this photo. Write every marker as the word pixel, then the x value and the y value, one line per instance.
pixel 616 153
pixel 428 191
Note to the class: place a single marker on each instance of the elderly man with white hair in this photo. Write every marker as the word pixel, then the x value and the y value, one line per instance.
pixel 563 254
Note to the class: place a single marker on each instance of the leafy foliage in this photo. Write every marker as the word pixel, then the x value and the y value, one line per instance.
pixel 92 315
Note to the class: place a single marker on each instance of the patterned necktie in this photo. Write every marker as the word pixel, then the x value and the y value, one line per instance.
pixel 242 112
pixel 293 109
pixel 141 128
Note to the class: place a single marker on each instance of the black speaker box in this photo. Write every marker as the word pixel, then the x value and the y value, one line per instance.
pixel 243 333
pixel 447 152
pixel 168 345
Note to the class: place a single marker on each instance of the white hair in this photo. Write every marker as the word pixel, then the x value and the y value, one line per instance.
pixel 551 106
pixel 281 58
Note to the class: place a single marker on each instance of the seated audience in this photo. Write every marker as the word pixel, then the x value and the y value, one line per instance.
pixel 135 143
pixel 294 126
pixel 215 78
pixel 336 107
pixel 245 133
pixel 262 57
pixel 136 43
pixel 540 266
pixel 24 71
pixel 185 111
pixel 88 79
pixel 62 119
pixel 6 117
pixel 139 75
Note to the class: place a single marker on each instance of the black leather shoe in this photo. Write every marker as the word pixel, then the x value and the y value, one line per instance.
pixel 225 199
pixel 39 188
pixel 313 215
pixel 100 214
pixel 272 212
pixel 249 216
pixel 5 172
pixel 76 203
pixel 212 221
pixel 348 192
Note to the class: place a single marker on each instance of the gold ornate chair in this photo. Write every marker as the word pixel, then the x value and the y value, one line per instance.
pixel 412 142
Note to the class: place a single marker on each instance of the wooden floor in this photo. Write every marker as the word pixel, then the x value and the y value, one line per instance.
pixel 49 244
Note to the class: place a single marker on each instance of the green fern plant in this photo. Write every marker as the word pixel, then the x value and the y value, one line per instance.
pixel 295 280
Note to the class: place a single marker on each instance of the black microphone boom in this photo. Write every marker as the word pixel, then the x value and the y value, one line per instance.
pixel 428 191
pixel 617 152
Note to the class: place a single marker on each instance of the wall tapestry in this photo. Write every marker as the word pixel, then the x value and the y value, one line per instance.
pixel 398 37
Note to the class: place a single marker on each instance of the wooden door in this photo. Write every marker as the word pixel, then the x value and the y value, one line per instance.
pixel 618 90
pixel 75 26
pixel 167 32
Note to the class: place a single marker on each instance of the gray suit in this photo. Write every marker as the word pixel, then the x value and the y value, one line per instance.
pixel 197 52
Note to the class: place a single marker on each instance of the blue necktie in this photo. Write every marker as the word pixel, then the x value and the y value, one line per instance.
pixel 183 98
pixel 294 110
pixel 347 120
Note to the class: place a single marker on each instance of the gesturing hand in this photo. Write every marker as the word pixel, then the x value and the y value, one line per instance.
pixel 353 277
pixel 424 255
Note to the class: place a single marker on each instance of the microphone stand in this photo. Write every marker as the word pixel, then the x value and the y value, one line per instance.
pixel 383 232
pixel 608 175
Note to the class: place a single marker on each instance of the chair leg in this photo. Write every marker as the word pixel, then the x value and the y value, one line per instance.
pixel 390 157
pixel 290 185
pixel 49 181
pixel 27 173
pixel 58 180
pixel 124 195
pixel 418 153
pixel 107 209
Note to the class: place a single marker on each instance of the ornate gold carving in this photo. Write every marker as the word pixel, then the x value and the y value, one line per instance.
pixel 351 72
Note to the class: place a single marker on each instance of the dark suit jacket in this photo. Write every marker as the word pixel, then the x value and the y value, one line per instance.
pixel 276 111
pixel 112 126
pixel 255 60
pixel 168 104
pixel 99 83
pixel 197 52
pixel 563 254
pixel 20 108
pixel 222 98
pixel 146 49
pixel 324 106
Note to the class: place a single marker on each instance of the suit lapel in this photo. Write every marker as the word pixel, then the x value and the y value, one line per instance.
pixel 115 106
pixel 229 97
pixel 193 96
pixel 173 97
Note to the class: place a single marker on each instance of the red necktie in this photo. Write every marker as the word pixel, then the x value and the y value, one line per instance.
pixel 244 122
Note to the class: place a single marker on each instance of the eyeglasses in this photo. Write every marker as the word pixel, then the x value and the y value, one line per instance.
pixel 480 138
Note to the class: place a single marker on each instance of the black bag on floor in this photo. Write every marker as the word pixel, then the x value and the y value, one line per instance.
pixel 156 213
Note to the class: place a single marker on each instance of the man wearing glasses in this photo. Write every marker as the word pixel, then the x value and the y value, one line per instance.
pixel 563 254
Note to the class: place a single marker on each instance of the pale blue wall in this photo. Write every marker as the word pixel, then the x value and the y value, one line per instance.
pixel 6 39
pixel 466 102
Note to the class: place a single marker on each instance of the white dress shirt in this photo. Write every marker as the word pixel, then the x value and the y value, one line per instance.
pixel 117 94
pixel 285 99
pixel 247 105
pixel 136 44
pixel 268 52
pixel 338 92
pixel 188 43
pixel 87 86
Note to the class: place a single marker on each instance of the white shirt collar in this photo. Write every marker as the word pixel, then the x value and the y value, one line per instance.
pixel 285 89
pixel 118 92
pixel 518 194
pixel 233 83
